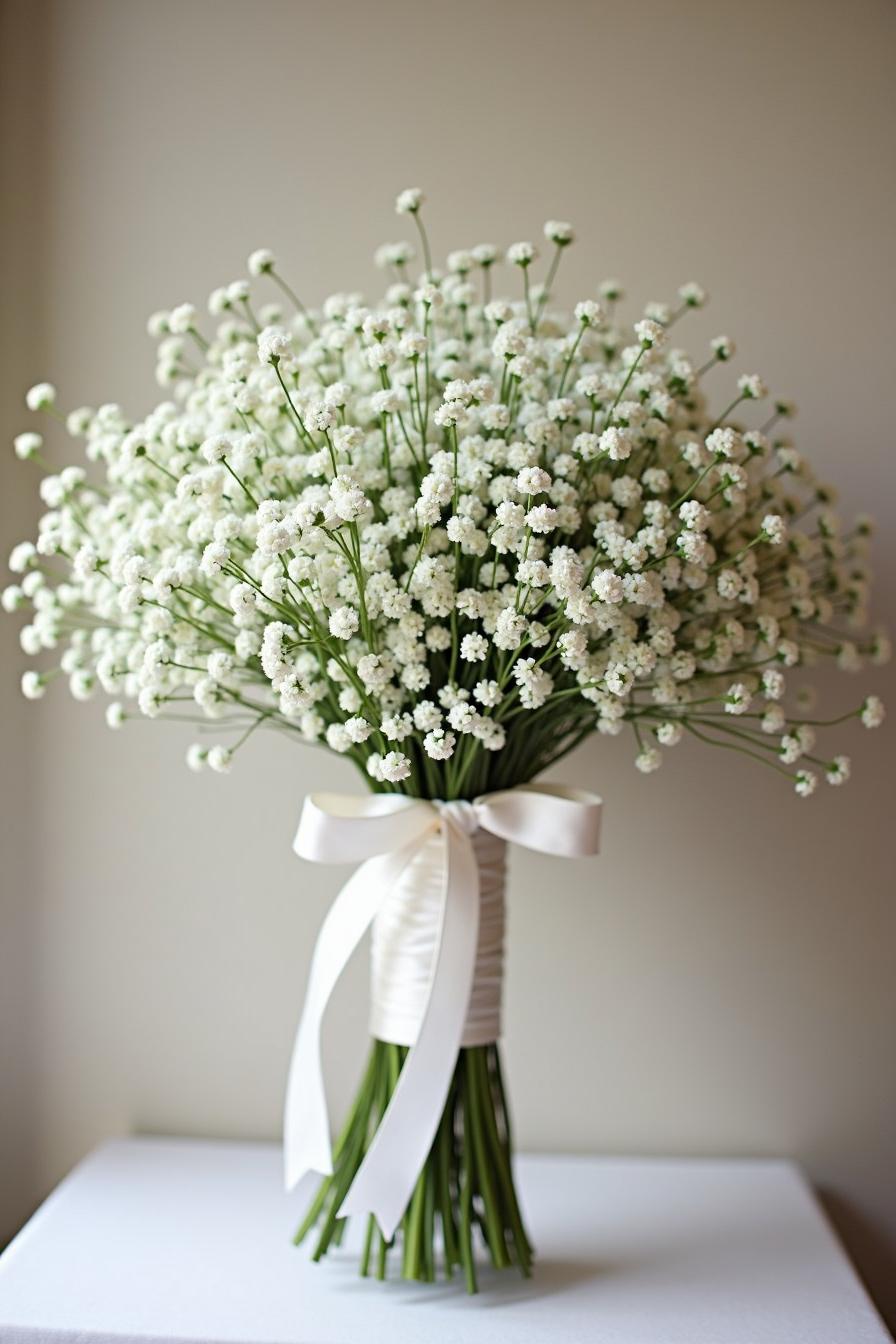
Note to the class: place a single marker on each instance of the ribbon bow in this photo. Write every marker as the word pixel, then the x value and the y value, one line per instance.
pixel 384 832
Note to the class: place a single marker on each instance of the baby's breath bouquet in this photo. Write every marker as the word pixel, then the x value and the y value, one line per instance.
pixel 448 536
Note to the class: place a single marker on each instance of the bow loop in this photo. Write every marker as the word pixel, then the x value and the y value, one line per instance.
pixel 343 828
pixel 549 818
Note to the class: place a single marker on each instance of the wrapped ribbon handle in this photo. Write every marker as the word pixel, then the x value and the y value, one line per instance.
pixel 384 832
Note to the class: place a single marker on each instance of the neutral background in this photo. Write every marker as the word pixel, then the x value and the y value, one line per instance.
pixel 722 979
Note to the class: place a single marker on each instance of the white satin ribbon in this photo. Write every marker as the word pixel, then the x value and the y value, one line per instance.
pixel 384 832
pixel 405 933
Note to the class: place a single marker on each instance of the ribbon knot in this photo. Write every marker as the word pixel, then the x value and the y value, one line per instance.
pixel 461 814
pixel 384 832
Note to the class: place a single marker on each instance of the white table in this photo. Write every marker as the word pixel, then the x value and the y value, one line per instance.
pixel 155 1240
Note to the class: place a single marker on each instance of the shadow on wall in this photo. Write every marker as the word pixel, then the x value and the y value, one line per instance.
pixel 865 1239
pixel 22 141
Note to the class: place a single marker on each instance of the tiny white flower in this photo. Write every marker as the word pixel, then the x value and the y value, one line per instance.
pixel 773 684
pixel 617 443
pixel 648 760
pixel 737 699
pixel 261 261
pixel 82 684
pixel 723 442
pixel 13 598
pixel 343 622
pixel 219 759
pixel 751 386
pixel 607 586
pixel 150 701
pixel 790 749
pixel 393 254
pixel 695 515
pixel 40 397
pixel 409 201
pixel 30 640
pixel 33 685
pixel 386 402
pixel 394 767
pixel 649 333
pixel 693 295
pixel 357 729
pixel 115 714
pixel 347 497
pixel 338 739
pixel 559 232
pixel 533 481
pixel 439 745
pixel 474 648
pixel 273 343
pixel 196 757
pixel 873 712
pixel 450 413
pixel 509 629
pixel 219 665
pixel 542 518
pixel 774 529
pixel 521 254
pixel 216 448
pixel 215 556
pixel 218 301
pixel 837 771
pixel 488 693
pixel 182 319
pixel 157 324
pixel 589 313
pixel 618 679
pixel 27 445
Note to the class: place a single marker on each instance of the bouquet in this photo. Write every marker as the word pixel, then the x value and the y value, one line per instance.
pixel 448 536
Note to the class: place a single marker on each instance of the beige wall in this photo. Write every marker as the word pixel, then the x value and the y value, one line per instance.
pixel 724 985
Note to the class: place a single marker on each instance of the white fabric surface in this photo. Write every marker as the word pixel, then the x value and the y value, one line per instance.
pixel 155 1240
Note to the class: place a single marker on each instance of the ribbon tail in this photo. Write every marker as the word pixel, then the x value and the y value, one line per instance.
pixel 306 1127
pixel 386 1178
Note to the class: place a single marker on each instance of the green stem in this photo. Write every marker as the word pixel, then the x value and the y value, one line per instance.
pixel 465 1181
pixel 493 1223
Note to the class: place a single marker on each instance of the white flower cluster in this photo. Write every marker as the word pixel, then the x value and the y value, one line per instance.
pixel 448 535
